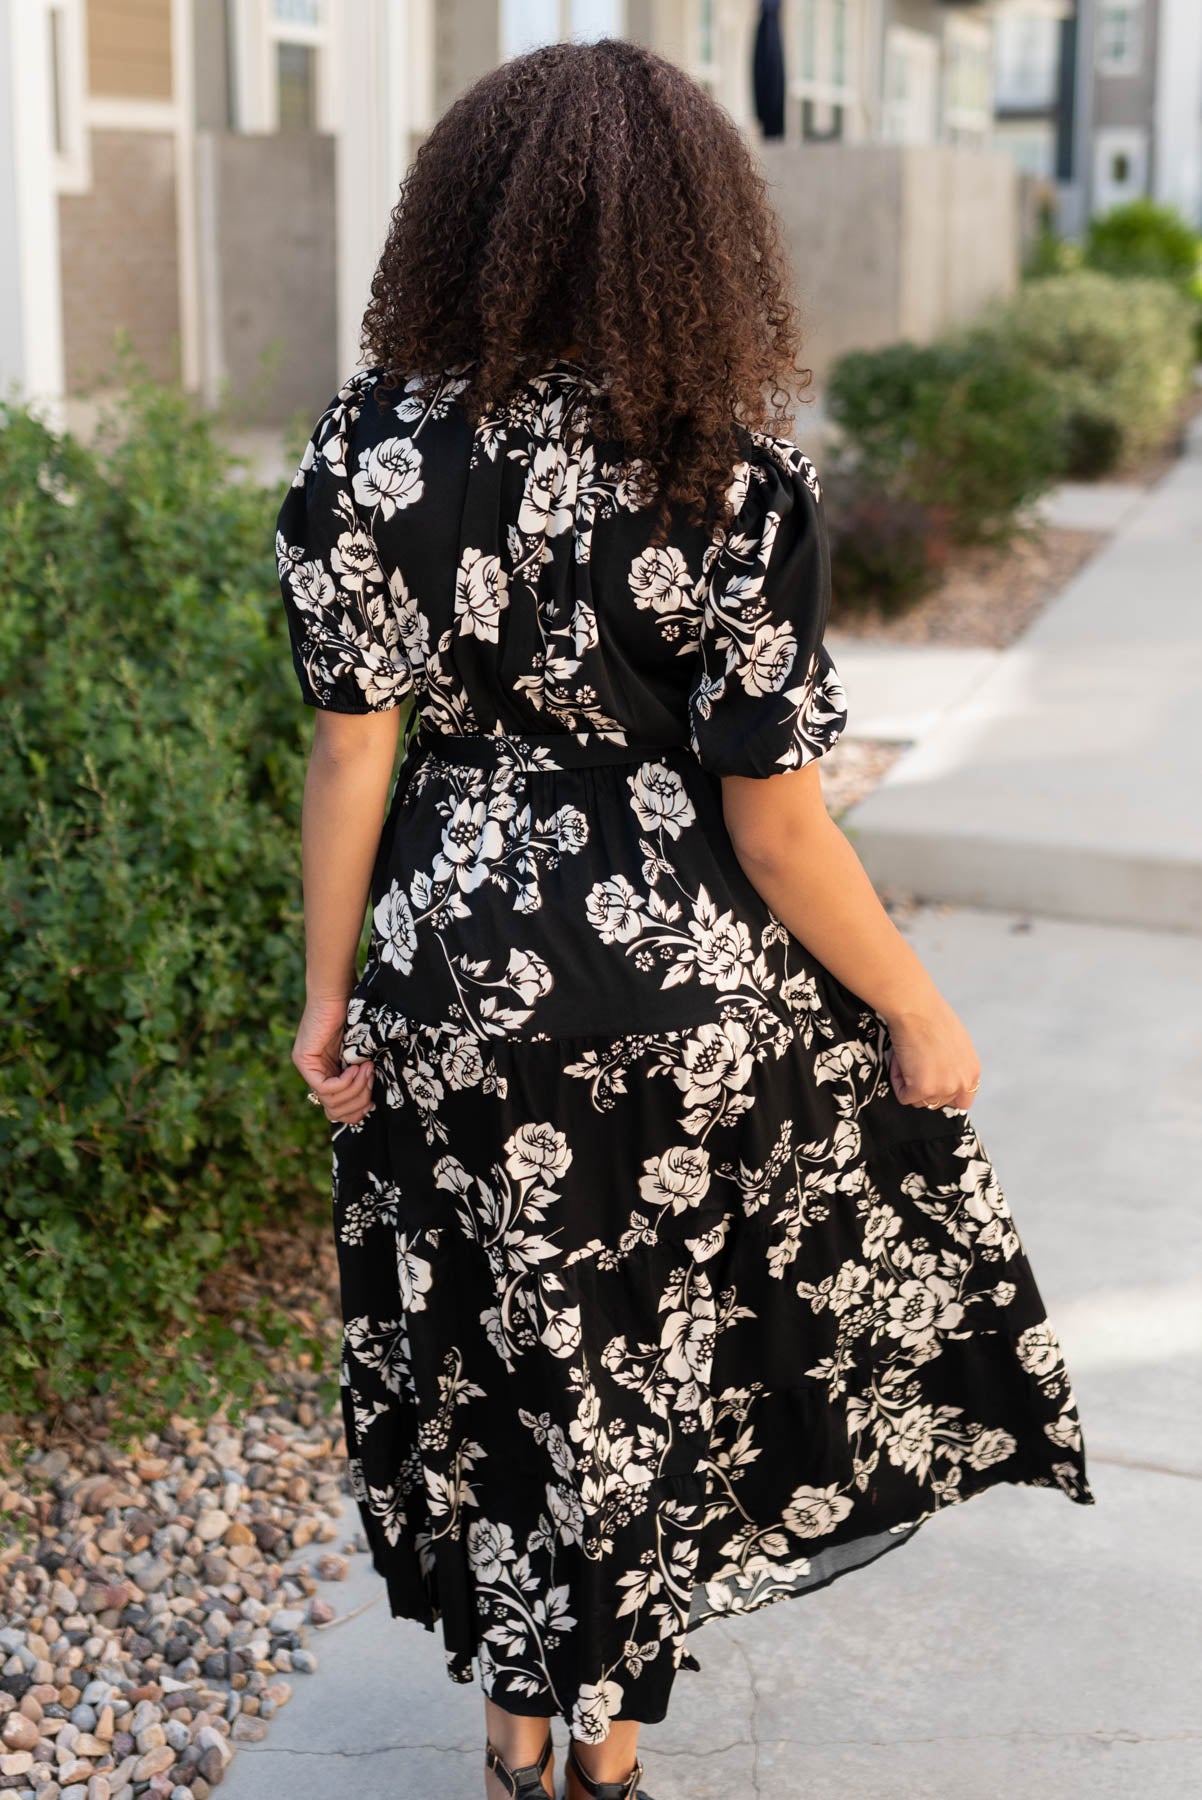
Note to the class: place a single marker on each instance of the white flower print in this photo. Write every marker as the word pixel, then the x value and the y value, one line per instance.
pixel 549 500
pixel 393 920
pixel 596 1705
pixel 354 560
pixel 538 1152
pixel 680 1177
pixel 481 595
pixel 390 476
pixel 714 1057
pixel 921 1307
pixel 489 1546
pixel 660 578
pixel 989 1447
pixel 312 584
pixel 660 800
pixel 773 653
pixel 414 1274
pixel 471 840
pixel 723 945
pixel 813 1512
pixel 562 1333
pixel 1038 1350
pixel 612 906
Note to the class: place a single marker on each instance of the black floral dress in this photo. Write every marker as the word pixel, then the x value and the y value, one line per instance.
pixel 658 1304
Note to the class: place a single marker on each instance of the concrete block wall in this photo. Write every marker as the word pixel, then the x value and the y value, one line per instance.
pixel 120 267
pixel 893 241
pixel 268 270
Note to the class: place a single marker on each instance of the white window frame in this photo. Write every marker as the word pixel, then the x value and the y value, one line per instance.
pixel 72 160
pixel 1107 144
pixel 256 32
pixel 1022 82
pixel 972 41
pixel 920 51
pixel 821 86
pixel 513 43
pixel 1128 60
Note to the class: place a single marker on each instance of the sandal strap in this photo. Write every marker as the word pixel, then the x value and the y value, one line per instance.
pixel 627 1789
pixel 519 1782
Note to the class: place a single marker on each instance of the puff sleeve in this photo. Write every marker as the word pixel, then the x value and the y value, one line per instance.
pixel 767 696
pixel 346 642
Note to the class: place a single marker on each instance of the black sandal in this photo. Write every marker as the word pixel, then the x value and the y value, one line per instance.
pixel 524 1782
pixel 607 1790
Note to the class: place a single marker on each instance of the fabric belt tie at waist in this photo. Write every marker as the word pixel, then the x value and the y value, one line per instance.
pixel 536 750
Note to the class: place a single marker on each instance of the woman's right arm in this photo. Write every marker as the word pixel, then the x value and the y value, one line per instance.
pixel 807 872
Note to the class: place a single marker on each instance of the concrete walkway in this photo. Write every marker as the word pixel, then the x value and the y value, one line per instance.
pixel 1020 1644
pixel 897 693
pixel 1065 781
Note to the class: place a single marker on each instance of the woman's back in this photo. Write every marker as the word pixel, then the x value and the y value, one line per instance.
pixel 555 861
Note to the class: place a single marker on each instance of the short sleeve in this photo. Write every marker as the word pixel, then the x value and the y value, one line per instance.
pixel 346 641
pixel 767 695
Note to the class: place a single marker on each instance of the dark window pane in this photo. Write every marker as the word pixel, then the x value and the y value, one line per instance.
pixel 296 75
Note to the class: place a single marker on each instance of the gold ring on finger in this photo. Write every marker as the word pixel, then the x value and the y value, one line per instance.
pixel 313 1097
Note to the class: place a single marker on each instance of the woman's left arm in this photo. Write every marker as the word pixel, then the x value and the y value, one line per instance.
pixel 346 793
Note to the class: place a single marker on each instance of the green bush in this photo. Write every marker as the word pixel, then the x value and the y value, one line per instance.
pixel 150 917
pixel 1142 238
pixel 966 425
pixel 1119 353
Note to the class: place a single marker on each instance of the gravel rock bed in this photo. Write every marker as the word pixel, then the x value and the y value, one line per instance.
pixel 156 1601
pixel 986 596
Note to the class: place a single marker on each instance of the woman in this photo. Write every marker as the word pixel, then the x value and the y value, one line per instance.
pixel 675 1277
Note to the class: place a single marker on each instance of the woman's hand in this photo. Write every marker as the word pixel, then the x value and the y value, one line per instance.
pixel 933 1061
pixel 345 1094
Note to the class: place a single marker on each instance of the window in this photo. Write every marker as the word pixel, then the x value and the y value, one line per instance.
pixel 64 23
pixel 967 81
pixel 296 86
pixel 1120 34
pixel 1120 170
pixel 911 87
pixel 1027 62
pixel 297 30
pixel 824 33
pixel 706 66
pixel 528 23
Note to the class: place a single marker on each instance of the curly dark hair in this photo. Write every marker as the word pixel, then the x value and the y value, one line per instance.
pixel 592 197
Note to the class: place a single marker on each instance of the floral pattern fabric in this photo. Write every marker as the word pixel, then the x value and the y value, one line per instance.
pixel 658 1304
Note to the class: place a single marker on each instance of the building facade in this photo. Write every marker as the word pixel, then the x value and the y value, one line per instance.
pixel 213 177
pixel 1103 99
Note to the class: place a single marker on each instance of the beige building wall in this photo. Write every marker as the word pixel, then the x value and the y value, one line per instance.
pixel 891 242
pixel 129 48
pixel 120 237
pixel 119 258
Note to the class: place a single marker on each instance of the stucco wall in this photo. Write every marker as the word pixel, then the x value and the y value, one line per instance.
pixel 269 249
pixel 119 259
pixel 129 48
pixel 891 242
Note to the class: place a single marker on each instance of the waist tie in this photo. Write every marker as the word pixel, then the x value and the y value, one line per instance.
pixel 536 750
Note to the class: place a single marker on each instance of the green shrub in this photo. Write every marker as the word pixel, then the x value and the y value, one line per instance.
pixel 965 425
pixel 150 920
pixel 1142 238
pixel 1119 352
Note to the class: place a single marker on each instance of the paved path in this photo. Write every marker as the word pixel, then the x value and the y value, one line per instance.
pixel 1020 1644
pixel 899 692
pixel 1065 782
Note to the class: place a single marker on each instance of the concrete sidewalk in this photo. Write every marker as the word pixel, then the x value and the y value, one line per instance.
pixel 1020 1645
pixel 1065 781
